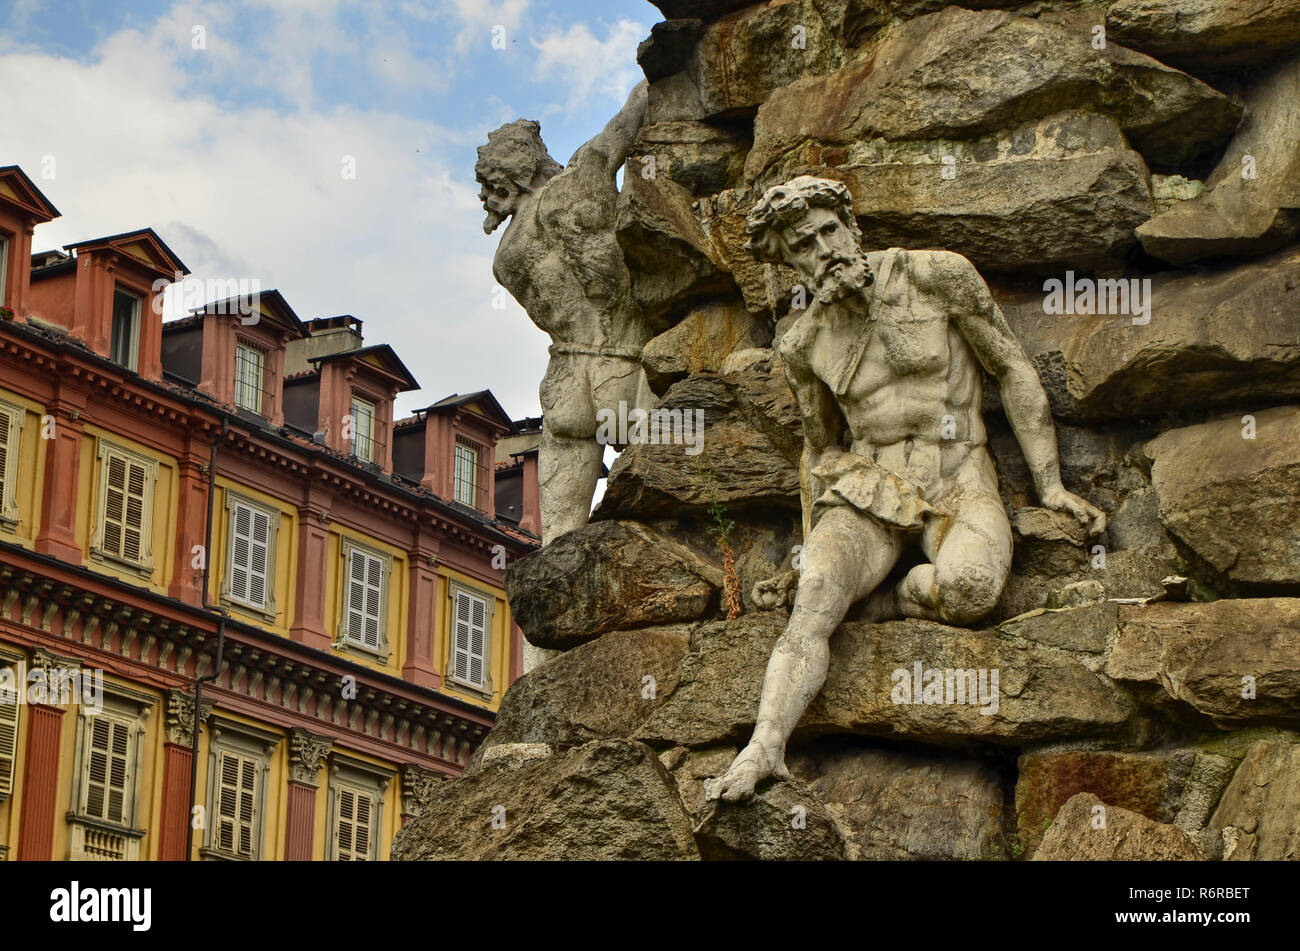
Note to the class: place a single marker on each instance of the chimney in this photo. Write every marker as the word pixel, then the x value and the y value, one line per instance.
pixel 326 336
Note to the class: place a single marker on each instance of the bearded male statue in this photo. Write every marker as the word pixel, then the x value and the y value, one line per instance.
pixel 885 366
pixel 559 258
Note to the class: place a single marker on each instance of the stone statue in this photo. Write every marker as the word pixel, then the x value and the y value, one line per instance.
pixel 885 366
pixel 561 261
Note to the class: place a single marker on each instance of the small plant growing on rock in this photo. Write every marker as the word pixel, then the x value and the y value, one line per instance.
pixel 722 527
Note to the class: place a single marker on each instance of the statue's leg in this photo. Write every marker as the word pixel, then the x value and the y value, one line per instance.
pixel 846 556
pixel 568 463
pixel 970 561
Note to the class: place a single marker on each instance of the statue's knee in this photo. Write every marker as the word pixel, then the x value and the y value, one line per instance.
pixel 968 592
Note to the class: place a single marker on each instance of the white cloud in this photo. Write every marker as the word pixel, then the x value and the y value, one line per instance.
pixel 250 191
pixel 591 67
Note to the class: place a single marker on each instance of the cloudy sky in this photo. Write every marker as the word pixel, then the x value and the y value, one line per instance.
pixel 226 125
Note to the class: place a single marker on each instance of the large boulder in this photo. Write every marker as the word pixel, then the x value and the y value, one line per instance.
pixel 556 808
pixel 1041 693
pixel 1213 338
pixel 1251 202
pixel 963 74
pixel 897 804
pixel 785 821
pixel 607 576
pixel 1065 191
pixel 703 158
pixel 1088 830
pixel 1163 786
pixel 604 689
pixel 1206 34
pixel 669 258
pixel 701 342
pixel 1229 492
pixel 1259 816
pixel 746 456
pixel 1235 661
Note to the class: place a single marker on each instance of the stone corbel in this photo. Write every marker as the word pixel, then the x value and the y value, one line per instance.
pixel 306 750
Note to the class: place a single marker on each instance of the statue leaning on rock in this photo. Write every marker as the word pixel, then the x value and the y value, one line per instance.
pixel 885 365
pixel 560 259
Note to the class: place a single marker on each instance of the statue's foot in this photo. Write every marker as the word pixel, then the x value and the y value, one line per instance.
pixel 751 767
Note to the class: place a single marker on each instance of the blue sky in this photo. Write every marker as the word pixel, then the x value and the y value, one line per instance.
pixel 234 151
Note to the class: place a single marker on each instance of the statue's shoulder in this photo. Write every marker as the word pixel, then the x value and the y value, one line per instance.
pixel 797 339
pixel 935 270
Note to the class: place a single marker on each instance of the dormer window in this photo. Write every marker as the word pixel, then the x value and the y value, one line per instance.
pixel 466 478
pixel 125 337
pixel 363 429
pixel 250 376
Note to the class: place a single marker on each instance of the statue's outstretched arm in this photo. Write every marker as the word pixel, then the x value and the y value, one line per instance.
pixel 607 152
pixel 1024 401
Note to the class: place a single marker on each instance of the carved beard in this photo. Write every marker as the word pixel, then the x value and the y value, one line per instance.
pixel 493 220
pixel 844 277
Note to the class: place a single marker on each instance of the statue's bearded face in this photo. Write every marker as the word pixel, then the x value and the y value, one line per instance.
pixel 826 255
pixel 500 198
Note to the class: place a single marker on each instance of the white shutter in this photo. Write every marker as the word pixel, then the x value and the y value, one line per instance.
pixel 236 803
pixel 125 490
pixel 250 539
pixel 355 810
pixel 8 742
pixel 107 769
pixel 365 599
pixel 470 640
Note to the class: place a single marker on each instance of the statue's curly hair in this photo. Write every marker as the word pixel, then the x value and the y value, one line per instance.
pixel 516 149
pixel 782 203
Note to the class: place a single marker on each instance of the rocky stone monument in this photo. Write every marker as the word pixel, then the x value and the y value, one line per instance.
pixel 1100 203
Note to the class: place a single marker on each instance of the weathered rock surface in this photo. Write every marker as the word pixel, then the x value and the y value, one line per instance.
pixel 1125 837
pixel 668 255
pixel 702 158
pixel 1251 202
pixel 607 576
pixel 1206 34
pixel 1234 501
pixel 701 342
pixel 1149 784
pixel 1065 191
pixel 1259 815
pixel 904 805
pixel 1042 693
pixel 747 458
pixel 599 690
pixel 1215 339
pixel 1236 661
pixel 783 822
pixel 963 74
pixel 605 800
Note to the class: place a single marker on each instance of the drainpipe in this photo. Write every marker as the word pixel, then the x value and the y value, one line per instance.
pixel 221 642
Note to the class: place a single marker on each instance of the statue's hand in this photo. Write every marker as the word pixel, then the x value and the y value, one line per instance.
pixel 774 592
pixel 1059 499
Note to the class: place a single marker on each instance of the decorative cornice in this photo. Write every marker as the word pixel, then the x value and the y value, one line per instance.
pixel 306 750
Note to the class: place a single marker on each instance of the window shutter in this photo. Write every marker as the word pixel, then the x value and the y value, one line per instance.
pixel 249 563
pixel 107 774
pixel 126 482
pixel 361 841
pixel 354 813
pixel 6 429
pixel 236 803
pixel 8 742
pixel 470 639
pixel 365 599
pixel 346 823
